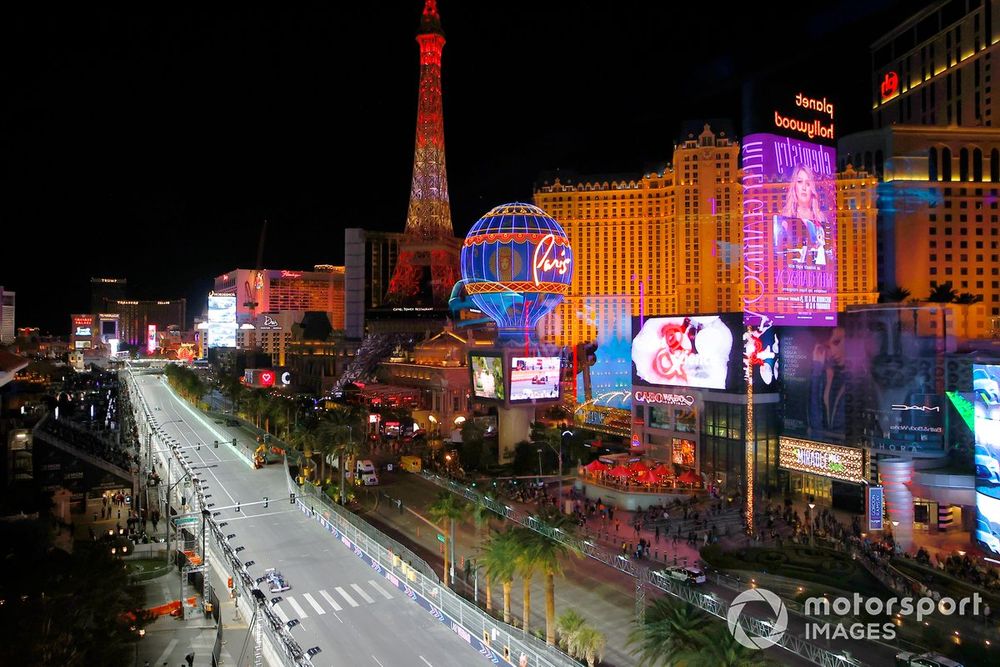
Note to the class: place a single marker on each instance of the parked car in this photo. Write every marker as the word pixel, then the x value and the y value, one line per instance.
pixel 907 659
pixel 691 575
pixel 986 536
pixel 987 467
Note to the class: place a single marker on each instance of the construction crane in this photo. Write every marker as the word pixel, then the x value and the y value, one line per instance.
pixel 256 282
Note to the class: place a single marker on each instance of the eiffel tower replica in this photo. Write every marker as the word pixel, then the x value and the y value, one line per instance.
pixel 427 267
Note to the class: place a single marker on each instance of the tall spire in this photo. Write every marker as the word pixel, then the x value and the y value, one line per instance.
pixel 426 255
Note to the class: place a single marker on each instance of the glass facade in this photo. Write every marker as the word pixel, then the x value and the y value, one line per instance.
pixel 723 442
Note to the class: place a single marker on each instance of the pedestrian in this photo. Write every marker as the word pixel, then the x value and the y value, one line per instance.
pixel 190 658
pixel 657 534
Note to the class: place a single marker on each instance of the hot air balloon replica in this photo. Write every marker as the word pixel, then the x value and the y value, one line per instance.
pixel 517 265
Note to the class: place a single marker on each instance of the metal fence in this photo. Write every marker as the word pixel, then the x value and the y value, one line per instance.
pixel 645 576
pixel 507 643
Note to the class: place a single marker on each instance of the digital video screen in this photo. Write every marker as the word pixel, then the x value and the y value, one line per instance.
pixel 683 352
pixel 487 377
pixel 986 390
pixel 534 378
pixel 222 320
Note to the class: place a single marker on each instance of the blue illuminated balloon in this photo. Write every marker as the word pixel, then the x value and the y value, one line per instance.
pixel 517 265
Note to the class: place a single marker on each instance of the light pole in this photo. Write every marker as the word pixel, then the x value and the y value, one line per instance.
pixel 343 466
pixel 539 465
pixel 812 506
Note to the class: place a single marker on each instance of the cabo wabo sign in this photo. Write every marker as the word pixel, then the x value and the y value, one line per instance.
pixel 820 458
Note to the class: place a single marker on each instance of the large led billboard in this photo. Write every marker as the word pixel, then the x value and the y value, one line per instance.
pixel 986 386
pixel 534 378
pixel 222 320
pixel 790 231
pixel 487 377
pixel 682 352
pixel 871 379
pixel 819 458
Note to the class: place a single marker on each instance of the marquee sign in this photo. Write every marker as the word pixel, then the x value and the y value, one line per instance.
pixel 875 500
pixel 662 398
pixel 819 458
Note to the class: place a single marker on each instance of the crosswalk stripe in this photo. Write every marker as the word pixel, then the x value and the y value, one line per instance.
pixel 381 590
pixel 281 614
pixel 362 593
pixel 329 598
pixel 315 605
pixel 347 597
pixel 298 610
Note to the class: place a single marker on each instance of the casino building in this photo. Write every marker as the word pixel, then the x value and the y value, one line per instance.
pixel 272 291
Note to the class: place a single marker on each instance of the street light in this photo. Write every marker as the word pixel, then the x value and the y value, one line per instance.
pixel 812 506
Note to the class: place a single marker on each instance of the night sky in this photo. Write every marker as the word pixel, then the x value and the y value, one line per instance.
pixel 152 145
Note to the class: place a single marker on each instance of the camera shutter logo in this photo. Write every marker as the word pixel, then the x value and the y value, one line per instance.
pixel 777 628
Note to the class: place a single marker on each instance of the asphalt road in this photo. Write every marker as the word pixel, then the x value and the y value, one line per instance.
pixel 344 608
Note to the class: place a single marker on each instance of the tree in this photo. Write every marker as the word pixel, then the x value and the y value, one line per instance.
pixel 307 441
pixel 672 631
pixel 526 563
pixel 589 644
pixel 547 555
pixel 497 560
pixel 943 293
pixel 894 295
pixel 344 427
pixel 472 445
pixel 568 623
pixel 445 511
pixel 722 650
pixel 968 298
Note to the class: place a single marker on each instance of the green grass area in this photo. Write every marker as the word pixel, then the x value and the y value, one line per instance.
pixel 146 568
pixel 809 564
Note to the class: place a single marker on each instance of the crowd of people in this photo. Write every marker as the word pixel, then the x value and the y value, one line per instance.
pixel 95 444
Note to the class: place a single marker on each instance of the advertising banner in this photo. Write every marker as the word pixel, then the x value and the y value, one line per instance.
pixel 790 231
pixel 875 503
pixel 222 320
pixel 534 378
pixel 682 352
pixel 871 379
pixel 986 386
pixel 487 377
pixel 843 463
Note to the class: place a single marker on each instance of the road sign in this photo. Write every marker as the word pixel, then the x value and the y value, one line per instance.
pixel 440 537
pixel 181 521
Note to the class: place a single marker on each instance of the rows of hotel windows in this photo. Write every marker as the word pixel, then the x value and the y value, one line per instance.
pixel 941 169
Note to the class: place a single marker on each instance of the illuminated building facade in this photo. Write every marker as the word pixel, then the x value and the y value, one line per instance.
pixel 269 333
pixel 671 241
pixel 935 68
pixel 7 311
pixel 369 264
pixel 272 291
pixel 135 317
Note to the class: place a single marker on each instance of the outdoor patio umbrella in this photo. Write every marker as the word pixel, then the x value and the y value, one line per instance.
pixel 689 477
pixel 619 471
pixel 638 466
pixel 663 470
pixel 595 466
pixel 646 477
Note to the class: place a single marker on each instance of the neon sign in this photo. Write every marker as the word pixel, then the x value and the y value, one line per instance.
pixel 810 128
pixel 819 458
pixel 543 263
pixel 291 274
pixel 661 398
pixel 890 85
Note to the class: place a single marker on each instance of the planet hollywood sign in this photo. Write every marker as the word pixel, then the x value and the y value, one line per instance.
pixel 661 398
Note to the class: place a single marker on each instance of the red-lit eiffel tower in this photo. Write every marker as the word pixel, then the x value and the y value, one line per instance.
pixel 427 266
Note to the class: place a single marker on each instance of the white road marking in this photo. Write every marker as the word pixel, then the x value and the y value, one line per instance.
pixel 329 598
pixel 347 597
pixel 298 610
pixel 315 605
pixel 425 661
pixel 381 590
pixel 281 614
pixel 376 660
pixel 361 592
pixel 162 660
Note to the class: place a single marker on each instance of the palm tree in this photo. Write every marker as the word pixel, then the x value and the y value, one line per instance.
pixel 445 510
pixel 588 643
pixel 967 298
pixel 497 559
pixel 672 631
pixel 526 564
pixel 943 293
pixel 895 295
pixel 722 650
pixel 547 555
pixel 567 624
pixel 337 428
pixel 307 441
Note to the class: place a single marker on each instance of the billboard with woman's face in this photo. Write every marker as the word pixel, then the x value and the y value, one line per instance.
pixel 790 231
pixel 872 379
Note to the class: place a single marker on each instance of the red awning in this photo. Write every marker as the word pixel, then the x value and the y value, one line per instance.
pixel 689 477
pixel 619 471
pixel 663 470
pixel 638 466
pixel 646 477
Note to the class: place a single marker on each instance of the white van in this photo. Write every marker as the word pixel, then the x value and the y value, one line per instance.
pixel 366 472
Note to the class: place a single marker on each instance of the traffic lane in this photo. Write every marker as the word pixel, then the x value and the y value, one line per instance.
pixel 312 561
